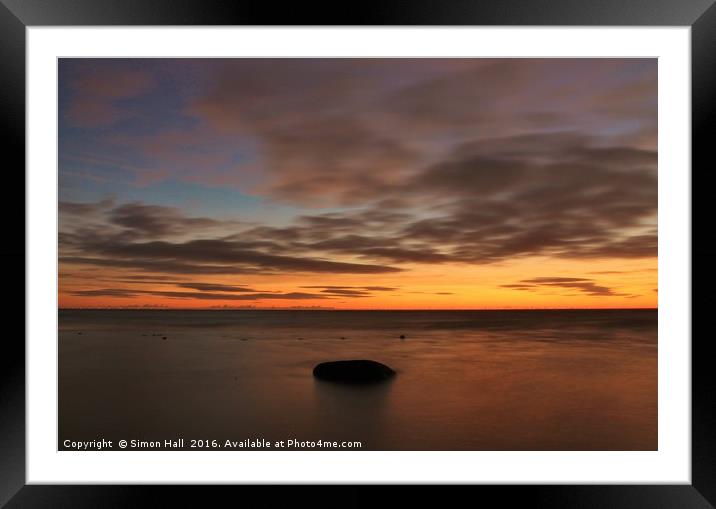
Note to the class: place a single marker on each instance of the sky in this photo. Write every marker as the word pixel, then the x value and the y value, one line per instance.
pixel 358 183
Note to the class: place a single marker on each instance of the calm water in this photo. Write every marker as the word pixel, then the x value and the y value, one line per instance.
pixel 467 380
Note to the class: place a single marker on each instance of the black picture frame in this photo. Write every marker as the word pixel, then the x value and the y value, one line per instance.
pixel 16 15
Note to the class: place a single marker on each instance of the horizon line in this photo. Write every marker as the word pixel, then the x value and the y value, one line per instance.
pixel 350 309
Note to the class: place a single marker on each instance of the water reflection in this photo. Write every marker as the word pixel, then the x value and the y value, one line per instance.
pixel 352 412
pixel 466 380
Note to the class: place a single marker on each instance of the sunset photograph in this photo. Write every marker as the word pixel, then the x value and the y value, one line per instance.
pixel 357 254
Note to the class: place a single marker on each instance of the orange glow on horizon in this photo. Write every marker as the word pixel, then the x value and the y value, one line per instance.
pixel 633 284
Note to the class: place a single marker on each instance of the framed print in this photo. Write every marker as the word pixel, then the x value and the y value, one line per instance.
pixel 424 245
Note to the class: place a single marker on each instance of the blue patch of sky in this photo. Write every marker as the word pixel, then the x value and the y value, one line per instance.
pixel 93 164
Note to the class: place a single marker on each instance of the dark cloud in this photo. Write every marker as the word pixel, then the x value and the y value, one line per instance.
pixel 347 131
pixel 300 158
pixel 152 278
pixel 234 255
pixel 557 194
pixel 583 285
pixel 208 256
pixel 192 285
pixel 123 293
pixel 99 92
pixel 555 280
pixel 469 161
pixel 215 287
pixel 68 208
pixel 368 288
pixel 134 220
pixel 350 293
pixel 155 221
pixel 157 266
pixel 336 222
pixel 246 296
pixel 106 292
pixel 318 145
pixel 390 249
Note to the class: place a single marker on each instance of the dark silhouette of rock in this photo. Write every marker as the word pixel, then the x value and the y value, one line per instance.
pixel 353 371
pixel 402 336
pixel 164 337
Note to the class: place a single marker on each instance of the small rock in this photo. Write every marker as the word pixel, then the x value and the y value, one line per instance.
pixel 164 337
pixel 402 336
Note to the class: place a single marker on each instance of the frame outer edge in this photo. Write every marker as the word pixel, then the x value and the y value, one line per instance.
pixel 368 12
pixel 703 108
pixel 12 83
pixel 12 253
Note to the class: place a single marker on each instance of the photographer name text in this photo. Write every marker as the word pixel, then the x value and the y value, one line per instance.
pixel 189 444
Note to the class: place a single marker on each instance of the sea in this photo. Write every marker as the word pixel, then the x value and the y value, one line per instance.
pixel 466 380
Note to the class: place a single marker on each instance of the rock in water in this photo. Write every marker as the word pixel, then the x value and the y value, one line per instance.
pixel 353 371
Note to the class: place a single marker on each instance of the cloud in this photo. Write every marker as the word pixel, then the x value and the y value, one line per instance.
pixel 208 256
pixel 192 285
pixel 381 248
pixel 154 221
pixel 247 296
pixel 547 195
pixel 106 292
pixel 68 208
pixel 556 194
pixel 145 279
pixel 420 161
pixel 347 130
pixel 124 293
pixel 215 287
pixel 217 291
pixel 114 83
pixel 111 236
pixel 133 220
pixel 351 291
pixel 369 288
pixel 98 89
pixel 554 280
pixel 159 266
pixel 207 295
pixel 583 285
pixel 345 292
